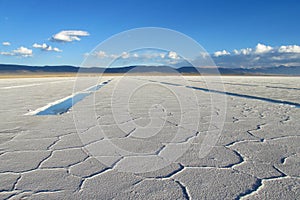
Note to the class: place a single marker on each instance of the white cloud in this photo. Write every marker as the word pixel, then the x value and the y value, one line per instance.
pixel 23 51
pixel 162 55
pixel 41 46
pixel 261 48
pixel 69 35
pixel 204 54
pixel 236 52
pixel 261 56
pixel 114 56
pixel 289 49
pixel 101 54
pixel 173 55
pixel 6 53
pixel 125 55
pixel 6 43
pixel 46 47
pixel 246 51
pixel 104 55
pixel 86 55
pixel 56 49
pixel 143 55
pixel 221 53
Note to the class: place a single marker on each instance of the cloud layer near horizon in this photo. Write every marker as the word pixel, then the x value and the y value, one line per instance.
pixel 137 57
pixel 260 56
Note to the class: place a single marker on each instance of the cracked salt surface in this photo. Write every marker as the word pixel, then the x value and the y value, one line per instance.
pixel 255 157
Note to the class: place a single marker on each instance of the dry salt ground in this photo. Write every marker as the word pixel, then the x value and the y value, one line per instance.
pixel 175 144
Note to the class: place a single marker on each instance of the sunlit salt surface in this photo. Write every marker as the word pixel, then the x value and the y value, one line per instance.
pixel 35 148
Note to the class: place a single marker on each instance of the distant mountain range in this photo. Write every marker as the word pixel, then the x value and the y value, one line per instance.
pixel 281 70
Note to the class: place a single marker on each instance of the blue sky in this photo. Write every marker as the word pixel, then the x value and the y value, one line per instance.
pixel 234 32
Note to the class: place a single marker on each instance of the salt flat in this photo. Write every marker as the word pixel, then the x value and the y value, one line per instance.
pixel 152 137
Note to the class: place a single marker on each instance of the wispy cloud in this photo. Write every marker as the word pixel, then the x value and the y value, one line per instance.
pixel 102 55
pixel 143 54
pixel 260 56
pixel 46 47
pixel 4 53
pixel 6 43
pixel 138 57
pixel 69 35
